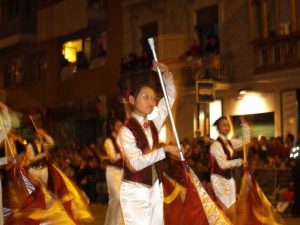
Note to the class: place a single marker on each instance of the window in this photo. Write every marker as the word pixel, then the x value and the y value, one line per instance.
pixel 14 72
pixel 148 30
pixel 25 69
pixel 269 18
pixel 87 52
pixel 207 25
pixel 36 68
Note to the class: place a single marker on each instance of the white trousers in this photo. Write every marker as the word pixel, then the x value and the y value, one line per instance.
pixel 224 189
pixel 113 180
pixel 282 206
pixel 142 205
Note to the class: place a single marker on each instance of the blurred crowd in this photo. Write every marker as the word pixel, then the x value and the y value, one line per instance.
pixel 86 164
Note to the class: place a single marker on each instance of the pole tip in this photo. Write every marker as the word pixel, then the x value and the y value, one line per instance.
pixel 151 42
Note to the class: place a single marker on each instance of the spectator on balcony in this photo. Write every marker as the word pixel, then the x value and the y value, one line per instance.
pixel 222 153
pixel 212 46
pixel 195 50
pixel 133 62
pixel 101 51
pixel 145 62
pixel 82 62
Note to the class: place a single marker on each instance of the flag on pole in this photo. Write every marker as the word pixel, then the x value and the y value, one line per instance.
pixel 252 206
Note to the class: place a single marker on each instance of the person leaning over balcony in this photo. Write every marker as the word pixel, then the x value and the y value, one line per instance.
pixel 141 193
pixel 222 153
pixel 114 173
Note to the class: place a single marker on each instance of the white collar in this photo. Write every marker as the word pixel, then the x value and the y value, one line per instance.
pixel 139 118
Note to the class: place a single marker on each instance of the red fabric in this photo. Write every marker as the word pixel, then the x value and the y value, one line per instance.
pixel 172 211
pixel 60 190
pixel 252 208
pixel 190 211
pixel 193 213
pixel 36 200
pixel 287 196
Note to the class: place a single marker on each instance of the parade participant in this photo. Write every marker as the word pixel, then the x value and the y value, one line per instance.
pixel 114 172
pixel 37 154
pixel 222 154
pixel 141 194
pixel 5 124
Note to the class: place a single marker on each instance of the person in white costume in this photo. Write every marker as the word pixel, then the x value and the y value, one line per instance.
pixel 5 159
pixel 222 153
pixel 141 194
pixel 37 154
pixel 114 173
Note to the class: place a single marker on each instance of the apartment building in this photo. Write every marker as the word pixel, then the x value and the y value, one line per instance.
pixel 59 59
pixel 254 71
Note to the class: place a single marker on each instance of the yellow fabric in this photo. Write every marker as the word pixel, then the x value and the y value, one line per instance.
pixel 79 200
pixel 53 214
pixel 214 214
pixel 178 189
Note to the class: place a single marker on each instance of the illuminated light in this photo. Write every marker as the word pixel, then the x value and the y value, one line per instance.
pixel 201 116
pixel 251 104
pixel 70 50
pixel 243 91
pixel 25 142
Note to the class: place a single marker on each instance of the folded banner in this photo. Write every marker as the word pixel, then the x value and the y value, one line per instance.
pixel 252 206
pixel 186 199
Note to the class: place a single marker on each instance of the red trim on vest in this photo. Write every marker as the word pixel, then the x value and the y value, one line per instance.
pixel 215 168
pixel 143 176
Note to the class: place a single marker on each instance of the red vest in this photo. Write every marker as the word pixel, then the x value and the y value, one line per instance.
pixel 144 176
pixel 118 163
pixel 215 168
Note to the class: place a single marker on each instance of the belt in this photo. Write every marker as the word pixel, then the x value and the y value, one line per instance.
pixel 39 164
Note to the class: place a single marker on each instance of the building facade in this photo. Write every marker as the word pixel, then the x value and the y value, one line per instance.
pixel 228 58
pixel 56 61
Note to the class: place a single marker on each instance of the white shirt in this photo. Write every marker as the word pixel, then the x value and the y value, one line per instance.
pixel 47 144
pixel 111 152
pixel 127 141
pixel 217 151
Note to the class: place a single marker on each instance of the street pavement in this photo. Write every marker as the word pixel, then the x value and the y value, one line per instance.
pixel 99 212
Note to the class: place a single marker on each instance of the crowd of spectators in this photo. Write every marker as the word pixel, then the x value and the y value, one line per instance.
pixel 133 62
pixel 86 165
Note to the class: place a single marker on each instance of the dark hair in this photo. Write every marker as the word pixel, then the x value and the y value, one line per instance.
pixel 218 121
pixel 133 92
pixel 290 137
pixel 136 90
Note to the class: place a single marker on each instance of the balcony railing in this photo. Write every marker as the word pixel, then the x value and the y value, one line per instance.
pixel 277 53
pixel 186 72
